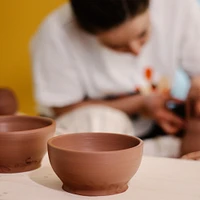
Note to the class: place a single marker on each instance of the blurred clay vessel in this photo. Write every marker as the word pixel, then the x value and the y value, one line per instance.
pixel 8 102
pixel 191 140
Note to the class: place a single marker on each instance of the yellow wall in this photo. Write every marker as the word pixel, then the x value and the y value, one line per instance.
pixel 19 19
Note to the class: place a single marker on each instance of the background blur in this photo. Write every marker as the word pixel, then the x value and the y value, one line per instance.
pixel 19 20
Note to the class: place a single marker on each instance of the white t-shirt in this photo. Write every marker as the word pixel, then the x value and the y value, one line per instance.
pixel 70 64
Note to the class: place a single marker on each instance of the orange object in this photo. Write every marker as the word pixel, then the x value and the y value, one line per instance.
pixel 148 73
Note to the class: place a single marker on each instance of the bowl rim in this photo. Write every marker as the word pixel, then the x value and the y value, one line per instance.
pixel 49 143
pixel 52 123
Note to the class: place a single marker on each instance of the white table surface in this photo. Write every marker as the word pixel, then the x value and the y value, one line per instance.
pixel 157 179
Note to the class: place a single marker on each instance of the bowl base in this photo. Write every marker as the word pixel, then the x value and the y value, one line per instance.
pixel 19 169
pixel 97 192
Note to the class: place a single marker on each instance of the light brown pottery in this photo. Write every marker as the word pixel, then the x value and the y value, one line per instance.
pixel 23 142
pixel 191 140
pixel 8 102
pixel 95 164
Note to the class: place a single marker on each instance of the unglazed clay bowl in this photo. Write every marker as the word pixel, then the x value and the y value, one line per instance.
pixel 8 102
pixel 23 142
pixel 95 164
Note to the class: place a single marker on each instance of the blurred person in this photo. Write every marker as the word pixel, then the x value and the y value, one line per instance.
pixel 108 65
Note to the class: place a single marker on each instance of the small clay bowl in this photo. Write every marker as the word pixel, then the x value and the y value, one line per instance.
pixel 23 142
pixel 95 164
pixel 8 102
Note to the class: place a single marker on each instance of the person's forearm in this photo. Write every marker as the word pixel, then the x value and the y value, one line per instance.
pixel 130 105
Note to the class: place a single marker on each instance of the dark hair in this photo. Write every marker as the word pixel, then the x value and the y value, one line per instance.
pixel 101 15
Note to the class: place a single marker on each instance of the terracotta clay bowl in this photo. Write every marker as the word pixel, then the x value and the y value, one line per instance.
pixel 95 164
pixel 23 142
pixel 8 102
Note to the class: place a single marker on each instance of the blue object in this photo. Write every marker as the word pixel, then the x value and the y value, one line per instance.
pixel 181 85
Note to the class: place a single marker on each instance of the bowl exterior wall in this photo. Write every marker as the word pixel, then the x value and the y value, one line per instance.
pixel 92 173
pixel 23 152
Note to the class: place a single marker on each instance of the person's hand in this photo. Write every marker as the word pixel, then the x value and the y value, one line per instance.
pixel 192 156
pixel 155 107
pixel 194 94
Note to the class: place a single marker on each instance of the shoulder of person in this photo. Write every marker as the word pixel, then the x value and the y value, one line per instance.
pixel 172 12
pixel 58 19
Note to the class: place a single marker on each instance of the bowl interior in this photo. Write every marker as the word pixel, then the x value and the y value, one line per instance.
pixel 22 123
pixel 94 142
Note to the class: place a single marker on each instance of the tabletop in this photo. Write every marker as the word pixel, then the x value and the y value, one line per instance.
pixel 156 179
